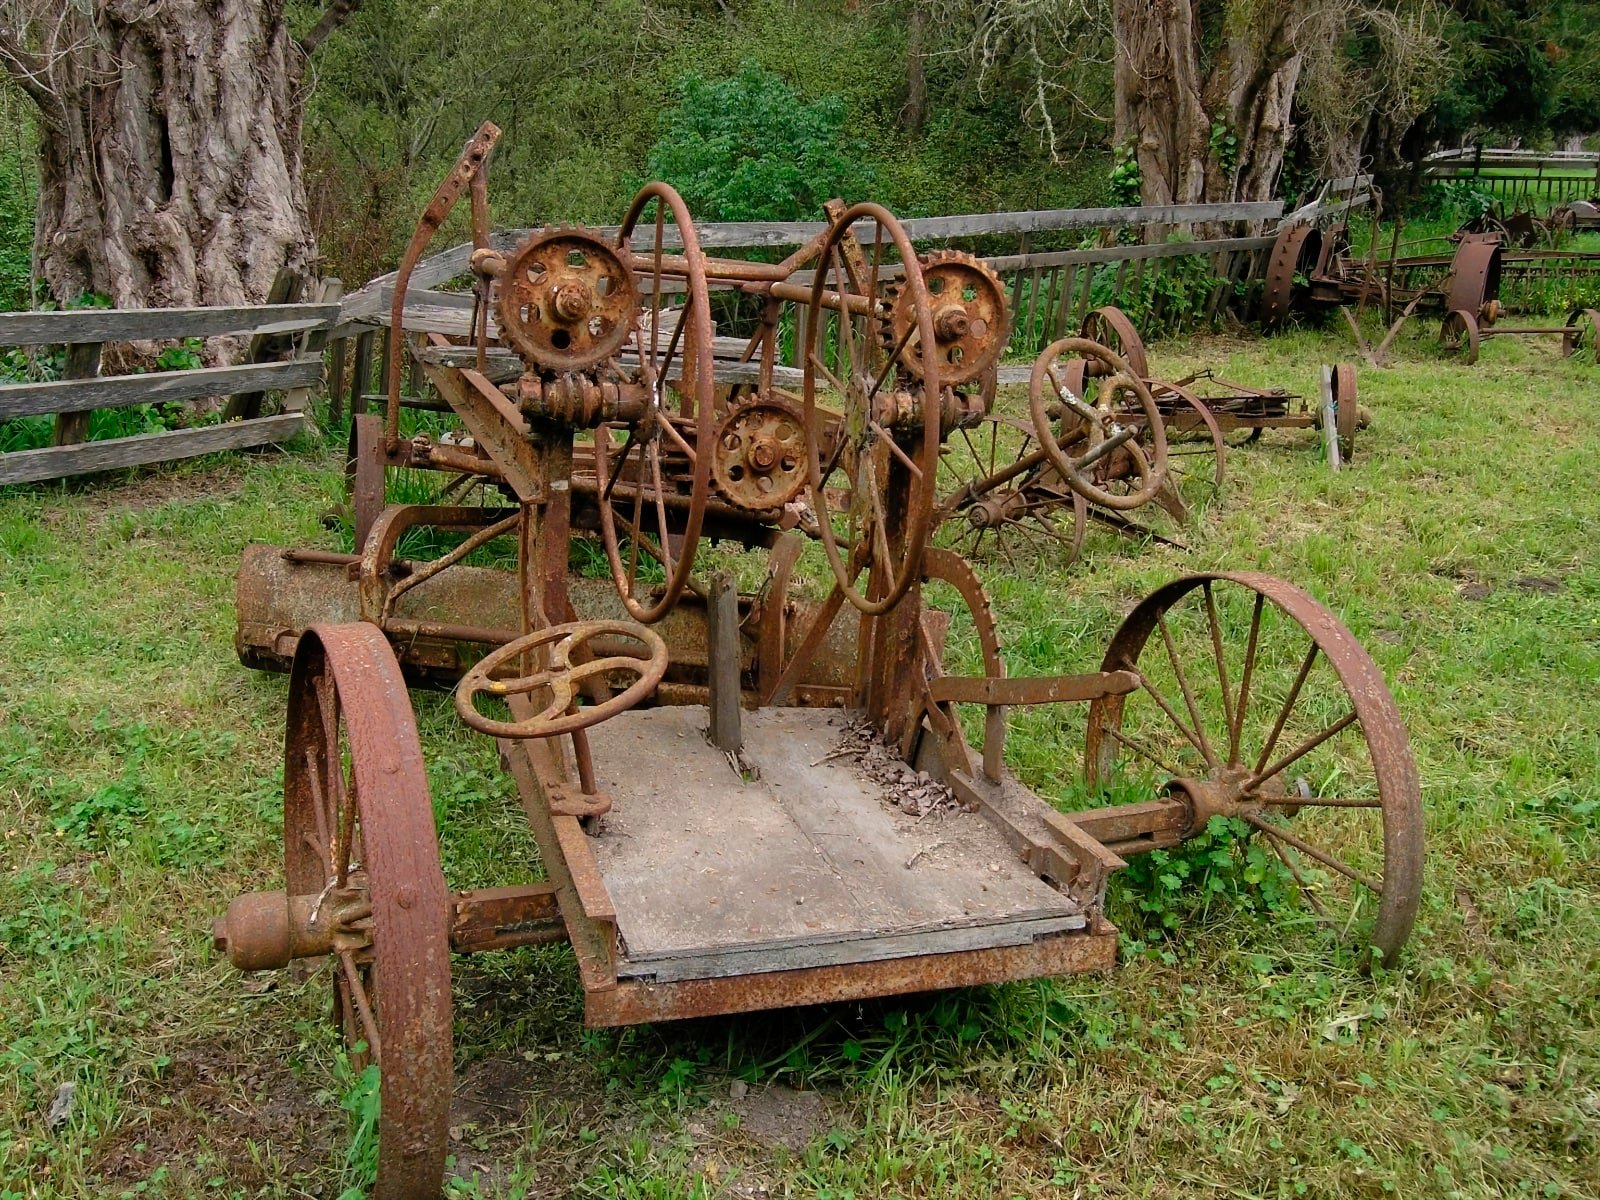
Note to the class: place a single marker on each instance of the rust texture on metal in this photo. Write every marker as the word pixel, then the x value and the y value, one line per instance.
pixel 1228 786
pixel 366 828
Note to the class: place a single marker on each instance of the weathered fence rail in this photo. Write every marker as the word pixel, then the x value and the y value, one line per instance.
pixel 1519 175
pixel 287 342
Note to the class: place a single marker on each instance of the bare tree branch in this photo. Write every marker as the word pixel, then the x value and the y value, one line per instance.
pixel 335 15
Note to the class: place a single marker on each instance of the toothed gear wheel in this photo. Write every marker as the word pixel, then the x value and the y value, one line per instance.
pixel 971 321
pixel 759 460
pixel 566 302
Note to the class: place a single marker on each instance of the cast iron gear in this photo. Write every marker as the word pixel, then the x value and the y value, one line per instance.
pixel 971 319
pixel 566 302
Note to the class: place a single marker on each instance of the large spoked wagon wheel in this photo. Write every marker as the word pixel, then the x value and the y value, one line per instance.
pixel 359 834
pixel 1346 411
pixel 1000 495
pixel 653 481
pixel 1081 439
pixel 882 429
pixel 1257 704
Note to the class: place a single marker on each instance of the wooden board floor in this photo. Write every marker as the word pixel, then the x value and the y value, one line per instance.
pixel 806 865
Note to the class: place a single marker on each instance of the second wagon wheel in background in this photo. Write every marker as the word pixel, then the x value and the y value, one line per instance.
pixel 1115 330
pixel 1257 704
pixel 359 834
pixel 995 500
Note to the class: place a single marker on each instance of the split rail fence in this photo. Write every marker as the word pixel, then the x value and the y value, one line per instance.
pixel 286 348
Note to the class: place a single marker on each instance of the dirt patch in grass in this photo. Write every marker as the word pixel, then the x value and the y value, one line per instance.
pixel 220 1111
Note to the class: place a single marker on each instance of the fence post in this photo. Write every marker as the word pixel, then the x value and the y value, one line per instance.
pixel 83 362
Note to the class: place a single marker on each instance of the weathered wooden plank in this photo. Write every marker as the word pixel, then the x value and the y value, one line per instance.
pixel 74 395
pixel 58 462
pixel 1105 254
pixel 140 324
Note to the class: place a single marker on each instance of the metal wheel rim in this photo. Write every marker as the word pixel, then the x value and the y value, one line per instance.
pixel 346 677
pixel 920 508
pixel 1357 677
pixel 697 315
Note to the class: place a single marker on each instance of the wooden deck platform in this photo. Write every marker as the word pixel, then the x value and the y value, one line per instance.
pixel 809 864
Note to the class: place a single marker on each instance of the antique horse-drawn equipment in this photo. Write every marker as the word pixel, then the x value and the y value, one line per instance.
pixel 752 800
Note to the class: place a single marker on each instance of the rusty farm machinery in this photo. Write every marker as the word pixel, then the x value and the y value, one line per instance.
pixel 758 798
pixel 1311 269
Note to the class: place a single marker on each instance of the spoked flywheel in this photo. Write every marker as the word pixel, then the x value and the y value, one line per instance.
pixel 1257 704
pixel 359 836
pixel 1002 495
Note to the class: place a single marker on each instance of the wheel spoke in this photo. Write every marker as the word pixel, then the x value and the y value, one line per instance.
pixel 1306 890
pixel 889 364
pixel 1139 748
pixel 1216 649
pixel 1188 696
pixel 1172 714
pixel 894 448
pixel 833 380
pixel 1322 856
pixel 318 810
pixel 1324 802
pixel 1244 682
pixel 357 994
pixel 1300 751
pixel 1288 707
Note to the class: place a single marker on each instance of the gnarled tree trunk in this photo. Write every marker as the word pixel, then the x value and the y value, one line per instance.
pixel 170 144
pixel 1177 78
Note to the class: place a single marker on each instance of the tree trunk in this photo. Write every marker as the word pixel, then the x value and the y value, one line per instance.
pixel 170 154
pixel 914 114
pixel 1177 79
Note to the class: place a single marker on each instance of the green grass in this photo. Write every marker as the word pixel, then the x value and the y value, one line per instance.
pixel 140 766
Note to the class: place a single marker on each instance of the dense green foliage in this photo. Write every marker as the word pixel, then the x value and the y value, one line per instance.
pixel 17 197
pixel 750 149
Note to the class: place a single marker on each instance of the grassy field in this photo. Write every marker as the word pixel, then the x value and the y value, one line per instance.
pixel 140 768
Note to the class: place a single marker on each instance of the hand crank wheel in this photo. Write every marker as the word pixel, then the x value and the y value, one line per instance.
pixel 1240 714
pixel 1112 426
pixel 556 673
pixel 358 833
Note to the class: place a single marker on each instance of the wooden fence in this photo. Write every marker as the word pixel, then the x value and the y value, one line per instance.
pixel 1519 176
pixel 295 330
pixel 1050 290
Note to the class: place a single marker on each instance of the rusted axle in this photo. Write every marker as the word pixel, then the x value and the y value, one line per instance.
pixel 263 931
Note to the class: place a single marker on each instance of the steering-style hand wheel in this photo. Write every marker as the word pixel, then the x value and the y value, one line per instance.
pixel 1107 428
pixel 562 678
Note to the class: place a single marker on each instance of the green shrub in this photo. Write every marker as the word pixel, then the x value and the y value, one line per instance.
pixel 750 149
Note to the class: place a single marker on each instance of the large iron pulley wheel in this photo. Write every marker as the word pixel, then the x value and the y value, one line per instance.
pixel 561 665
pixel 1107 426
pixel 1459 334
pixel 642 469
pixel 358 834
pixel 1346 410
pixel 1583 334
pixel 1115 330
pixel 1257 704
pixel 880 444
